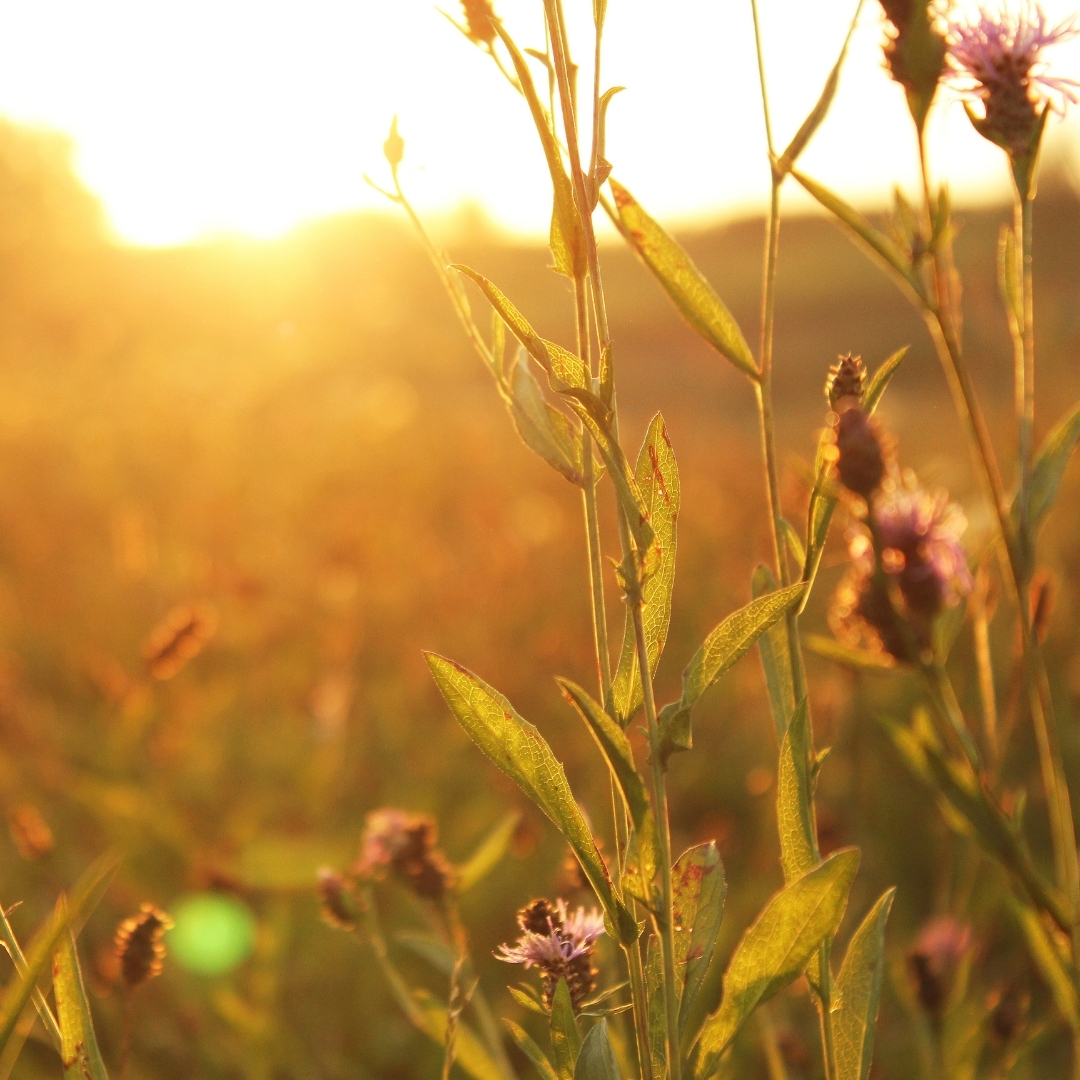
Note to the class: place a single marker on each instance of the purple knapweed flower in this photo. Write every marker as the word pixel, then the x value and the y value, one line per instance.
pixel 918 546
pixel 558 942
pixel 996 60
pixel 404 844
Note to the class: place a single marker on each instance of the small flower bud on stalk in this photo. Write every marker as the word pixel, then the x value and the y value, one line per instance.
pixel 140 949
pixel 394 147
pixel 479 17
pixel 560 944
pixel 914 53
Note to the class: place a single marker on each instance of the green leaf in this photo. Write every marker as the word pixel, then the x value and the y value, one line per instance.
pixel 657 1019
pixel 78 1043
pixel 819 111
pixel 560 250
pixel 565 209
pixel 488 855
pixel 527 1002
pixel 657 477
pixel 437 953
pixel 733 637
pixel 87 892
pixel 879 245
pixel 858 991
pixel 1049 467
pixel 698 890
pixel 725 644
pixel 775 657
pixel 519 326
pixel 776 949
pixel 48 1021
pixel 522 753
pixel 849 656
pixel 531 1051
pixel 597 1058
pixel 565 1037
pixel 543 429
pixel 794 799
pixel 1049 961
pixel 683 282
pixel 881 379
pixel 615 746
pixel 599 14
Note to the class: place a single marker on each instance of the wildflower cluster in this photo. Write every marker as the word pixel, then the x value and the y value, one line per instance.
pixel 560 943
pixel 907 563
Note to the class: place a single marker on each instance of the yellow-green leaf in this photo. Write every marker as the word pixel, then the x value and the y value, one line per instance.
pixel 1049 467
pixel 848 655
pixel 775 652
pixel 470 1054
pixel 565 1037
pixel 597 1060
pixel 614 745
pixel 858 991
pixel 880 380
pixel 488 855
pixel 1049 961
pixel 776 949
pixel 523 754
pixel 78 1043
pixel 533 1052
pixel 15 952
pixel 683 282
pixel 658 480
pixel 794 814
pixel 698 890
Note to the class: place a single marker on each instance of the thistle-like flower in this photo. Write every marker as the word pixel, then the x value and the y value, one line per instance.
pixel 996 61
pixel 922 564
pixel 560 943
pixel 404 844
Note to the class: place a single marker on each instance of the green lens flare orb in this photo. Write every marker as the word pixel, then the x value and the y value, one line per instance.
pixel 211 934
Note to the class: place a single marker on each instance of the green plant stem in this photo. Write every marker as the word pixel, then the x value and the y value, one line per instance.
pixel 1025 396
pixel 940 323
pixel 943 698
pixel 639 993
pixel 763 392
pixel 664 922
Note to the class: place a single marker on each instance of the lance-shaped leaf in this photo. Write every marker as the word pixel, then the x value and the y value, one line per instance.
pixel 597 1059
pixel 725 644
pixel 658 480
pixel 657 1019
pixel 543 429
pixel 775 657
pixel 822 503
pixel 533 1052
pixel 776 949
pixel 698 890
pixel 488 855
pixel 522 753
pixel 879 245
pixel 1049 961
pixel 794 799
pixel 615 747
pixel 848 655
pixel 565 1037
pixel 858 991
pixel 683 282
pixel 1049 467
pixel 820 109
pixel 87 892
pixel 569 224
pixel 78 1043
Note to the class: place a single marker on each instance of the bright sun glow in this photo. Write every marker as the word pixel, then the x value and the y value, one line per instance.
pixel 237 116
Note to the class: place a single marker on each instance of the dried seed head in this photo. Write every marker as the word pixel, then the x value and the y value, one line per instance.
pixel 139 946
pixel 479 17
pixel 405 845
pixel 29 832
pixel 560 943
pixel 336 900
pixel 860 455
pixel 933 960
pixel 178 638
pixel 847 378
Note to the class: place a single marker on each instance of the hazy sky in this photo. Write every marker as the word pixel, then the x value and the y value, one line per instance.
pixel 244 116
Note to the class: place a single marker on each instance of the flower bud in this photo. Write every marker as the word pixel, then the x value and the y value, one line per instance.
pixel 847 379
pixel 394 147
pixel 860 459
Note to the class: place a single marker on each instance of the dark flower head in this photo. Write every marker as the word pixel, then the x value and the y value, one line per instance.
pixel 560 943
pixel 858 450
pixel 996 61
pixel 934 958
pixel 847 379
pixel 404 844
pixel 914 52
pixel 139 946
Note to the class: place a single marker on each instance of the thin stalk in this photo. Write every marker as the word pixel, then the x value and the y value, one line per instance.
pixel 985 666
pixel 1025 395
pixel 943 698
pixel 664 923
pixel 639 993
pixel 763 390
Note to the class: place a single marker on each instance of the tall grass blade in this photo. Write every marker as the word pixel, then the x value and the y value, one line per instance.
pixel 488 855
pixel 79 1049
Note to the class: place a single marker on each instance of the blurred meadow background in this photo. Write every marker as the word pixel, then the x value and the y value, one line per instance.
pixel 288 443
